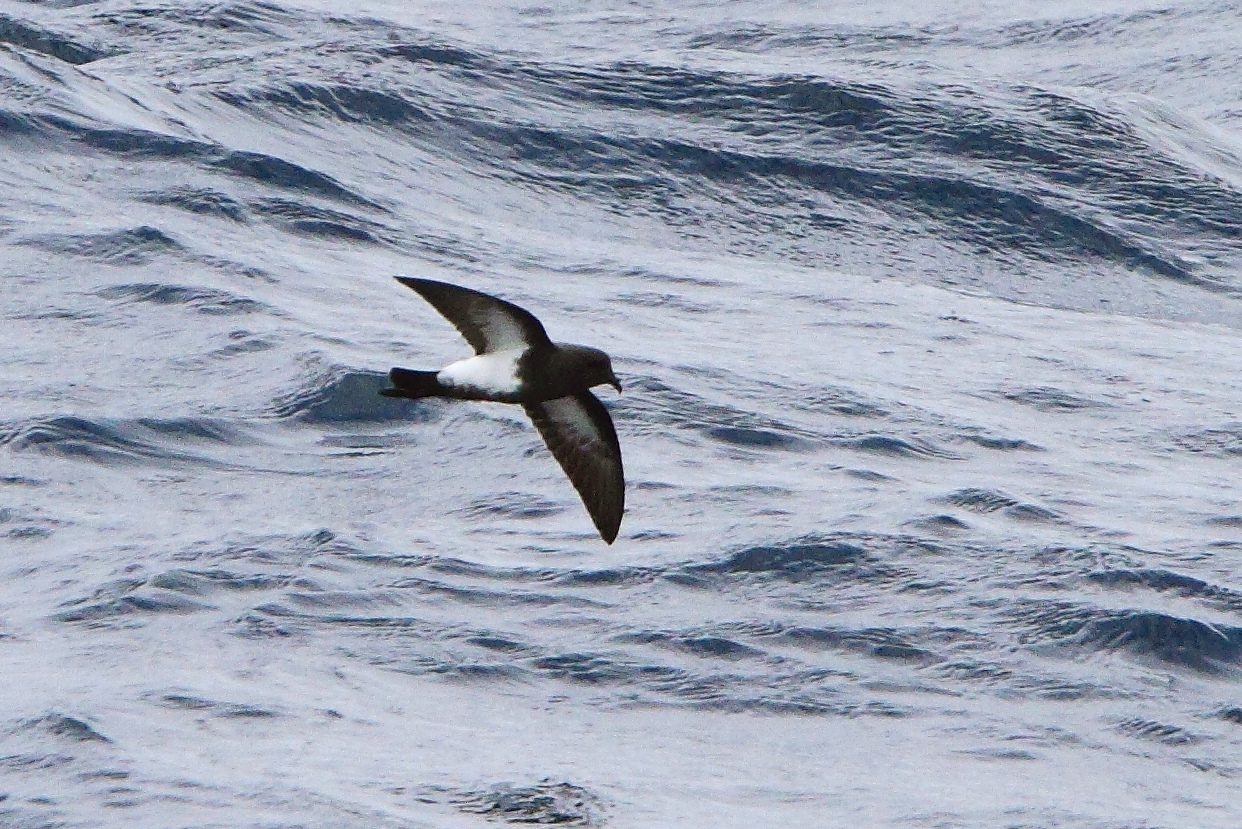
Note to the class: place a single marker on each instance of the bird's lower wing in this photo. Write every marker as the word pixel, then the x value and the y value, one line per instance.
pixel 583 440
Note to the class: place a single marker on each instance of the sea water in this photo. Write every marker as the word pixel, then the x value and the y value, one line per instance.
pixel 928 321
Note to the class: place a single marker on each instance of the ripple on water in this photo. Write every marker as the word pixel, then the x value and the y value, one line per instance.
pixel 73 729
pixel 897 447
pixel 204 300
pixel 1001 444
pixel 1165 581
pixel 522 505
pixel 1184 642
pixel 331 394
pixel 131 246
pixel 545 802
pixel 203 201
pixel 123 442
pixel 662 405
pixel 1171 735
pixel 1049 399
pixel 316 221
pixel 1223 441
pixel 804 554
pixel 46 40
pixel 201 706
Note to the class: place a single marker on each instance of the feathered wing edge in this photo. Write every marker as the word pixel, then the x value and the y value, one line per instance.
pixel 580 434
pixel 488 323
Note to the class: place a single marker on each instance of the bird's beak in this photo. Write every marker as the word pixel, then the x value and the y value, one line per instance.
pixel 615 383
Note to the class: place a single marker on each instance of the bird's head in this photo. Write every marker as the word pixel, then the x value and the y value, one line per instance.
pixel 599 369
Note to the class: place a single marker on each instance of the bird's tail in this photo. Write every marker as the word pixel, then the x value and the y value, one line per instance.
pixel 413 384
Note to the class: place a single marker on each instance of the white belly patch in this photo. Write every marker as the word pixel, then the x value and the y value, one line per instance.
pixel 494 373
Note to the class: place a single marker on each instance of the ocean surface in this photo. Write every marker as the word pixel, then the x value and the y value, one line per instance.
pixel 929 317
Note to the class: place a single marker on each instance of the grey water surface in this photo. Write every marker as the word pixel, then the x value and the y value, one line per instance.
pixel 928 321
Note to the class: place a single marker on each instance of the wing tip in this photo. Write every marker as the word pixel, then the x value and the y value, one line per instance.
pixel 607 511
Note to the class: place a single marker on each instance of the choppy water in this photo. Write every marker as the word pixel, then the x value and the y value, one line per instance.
pixel 928 322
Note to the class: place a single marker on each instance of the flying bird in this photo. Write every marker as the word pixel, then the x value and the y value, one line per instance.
pixel 516 362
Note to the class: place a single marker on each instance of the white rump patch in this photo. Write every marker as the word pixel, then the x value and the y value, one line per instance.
pixel 492 373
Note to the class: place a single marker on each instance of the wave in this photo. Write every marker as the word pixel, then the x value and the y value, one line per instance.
pixel 203 300
pixel 841 555
pixel 224 710
pixel 1172 735
pixel 1052 400
pixel 1174 640
pixel 1162 581
pixel 201 200
pixel 897 447
pixel 801 555
pixel 111 442
pixel 44 40
pixel 874 136
pixel 990 501
pixel 789 165
pixel 569 625
pixel 254 167
pixel 244 570
pixel 134 246
pixel 1222 441
pixel 544 802
pixel 333 394
pixel 663 405
pixel 64 726
pixel 1180 641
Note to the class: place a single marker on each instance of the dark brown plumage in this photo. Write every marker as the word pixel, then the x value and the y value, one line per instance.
pixel 516 362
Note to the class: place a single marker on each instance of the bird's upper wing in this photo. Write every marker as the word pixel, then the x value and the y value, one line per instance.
pixel 488 324
pixel 581 436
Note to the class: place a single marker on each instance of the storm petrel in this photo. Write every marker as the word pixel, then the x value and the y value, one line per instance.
pixel 515 362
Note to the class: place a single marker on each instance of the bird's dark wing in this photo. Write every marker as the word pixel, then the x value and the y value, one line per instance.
pixel 581 436
pixel 488 324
